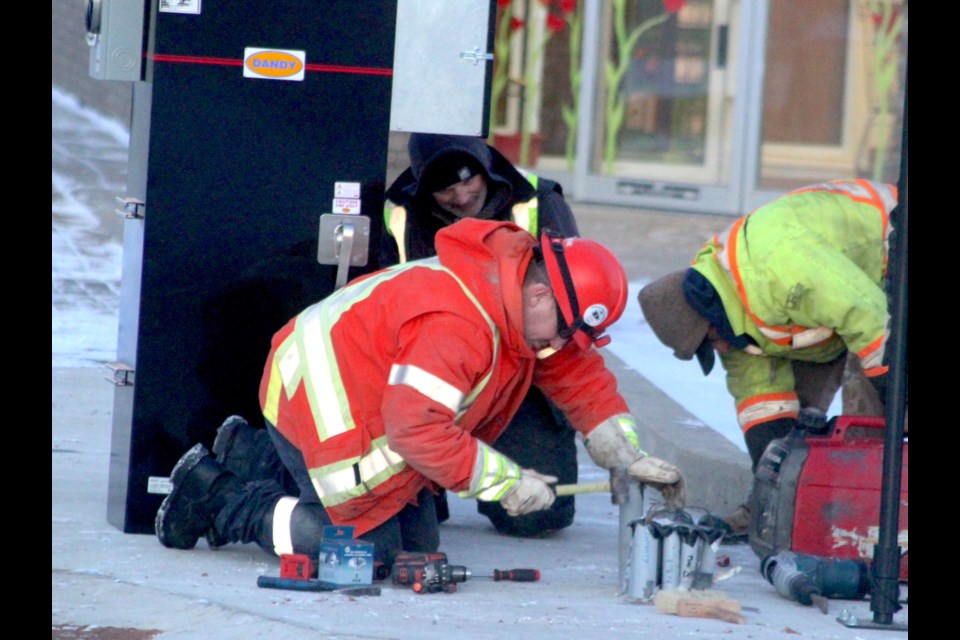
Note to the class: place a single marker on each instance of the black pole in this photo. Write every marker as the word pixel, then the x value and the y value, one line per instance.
pixel 884 601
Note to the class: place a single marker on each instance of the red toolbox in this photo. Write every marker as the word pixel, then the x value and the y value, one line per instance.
pixel 820 494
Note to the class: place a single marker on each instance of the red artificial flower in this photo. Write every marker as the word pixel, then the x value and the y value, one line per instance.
pixel 877 19
pixel 568 6
pixel 516 24
pixel 673 6
pixel 504 3
pixel 555 23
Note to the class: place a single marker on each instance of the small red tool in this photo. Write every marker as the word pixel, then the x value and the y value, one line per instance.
pixel 297 566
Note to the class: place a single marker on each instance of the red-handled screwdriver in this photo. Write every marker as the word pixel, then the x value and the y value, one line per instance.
pixel 514 575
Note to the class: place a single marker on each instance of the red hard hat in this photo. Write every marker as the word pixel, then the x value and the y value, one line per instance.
pixel 589 284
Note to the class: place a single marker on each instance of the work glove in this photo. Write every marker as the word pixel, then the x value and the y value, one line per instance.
pixel 614 443
pixel 531 493
pixel 662 476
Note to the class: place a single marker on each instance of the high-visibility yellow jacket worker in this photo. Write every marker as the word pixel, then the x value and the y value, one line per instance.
pixel 783 294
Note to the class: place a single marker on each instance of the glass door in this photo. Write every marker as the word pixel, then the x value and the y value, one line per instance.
pixel 713 106
pixel 831 103
pixel 655 120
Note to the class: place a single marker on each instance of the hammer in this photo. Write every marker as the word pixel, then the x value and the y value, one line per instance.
pixel 618 485
pixel 628 495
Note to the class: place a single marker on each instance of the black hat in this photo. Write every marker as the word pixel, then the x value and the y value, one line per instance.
pixel 448 169
pixel 449 155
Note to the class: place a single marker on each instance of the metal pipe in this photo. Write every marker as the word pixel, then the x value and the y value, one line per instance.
pixel 886 554
pixel 630 510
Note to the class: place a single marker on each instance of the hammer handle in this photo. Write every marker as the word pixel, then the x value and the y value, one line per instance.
pixel 589 487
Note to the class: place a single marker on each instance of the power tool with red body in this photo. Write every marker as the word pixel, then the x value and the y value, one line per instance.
pixel 817 491
pixel 427 572
pixel 432 572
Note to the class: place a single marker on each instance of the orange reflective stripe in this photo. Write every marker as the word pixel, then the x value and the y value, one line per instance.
pixel 871 356
pixel 766 407
pixel 874 197
pixel 766 397
pixel 798 337
pixel 775 416
pixel 804 337
pixel 880 195
pixel 884 205
pixel 732 266
pixel 873 372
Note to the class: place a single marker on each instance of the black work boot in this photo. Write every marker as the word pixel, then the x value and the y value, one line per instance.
pixel 735 526
pixel 248 453
pixel 245 451
pixel 201 487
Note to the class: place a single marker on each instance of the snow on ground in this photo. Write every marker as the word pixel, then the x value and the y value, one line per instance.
pixel 88 172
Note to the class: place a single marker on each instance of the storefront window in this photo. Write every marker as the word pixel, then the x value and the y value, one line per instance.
pixel 537 68
pixel 833 91
pixel 655 97
pixel 710 104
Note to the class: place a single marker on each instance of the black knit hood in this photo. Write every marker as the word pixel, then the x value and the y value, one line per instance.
pixel 504 181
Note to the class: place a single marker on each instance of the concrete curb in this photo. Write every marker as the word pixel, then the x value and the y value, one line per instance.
pixel 717 473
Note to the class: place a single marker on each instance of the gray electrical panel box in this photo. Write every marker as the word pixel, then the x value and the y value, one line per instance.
pixel 115 33
pixel 443 66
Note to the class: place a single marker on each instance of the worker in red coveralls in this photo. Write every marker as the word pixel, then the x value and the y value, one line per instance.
pixel 399 384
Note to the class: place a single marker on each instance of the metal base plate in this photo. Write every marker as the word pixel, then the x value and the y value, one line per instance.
pixel 333 238
pixel 847 619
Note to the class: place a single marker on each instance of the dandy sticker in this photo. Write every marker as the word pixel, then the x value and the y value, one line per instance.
pixel 273 64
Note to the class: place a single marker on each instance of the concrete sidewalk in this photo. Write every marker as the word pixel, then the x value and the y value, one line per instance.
pixel 107 585
pixel 104 578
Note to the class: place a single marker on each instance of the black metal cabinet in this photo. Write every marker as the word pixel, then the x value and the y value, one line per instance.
pixel 234 173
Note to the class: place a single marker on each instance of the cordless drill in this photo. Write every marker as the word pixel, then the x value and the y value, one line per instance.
pixel 427 572
pixel 431 572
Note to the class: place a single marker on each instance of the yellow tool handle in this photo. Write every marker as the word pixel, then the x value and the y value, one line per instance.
pixel 589 487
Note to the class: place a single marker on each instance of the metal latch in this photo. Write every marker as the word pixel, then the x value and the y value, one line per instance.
pixel 475 55
pixel 132 208
pixel 344 241
pixel 122 374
